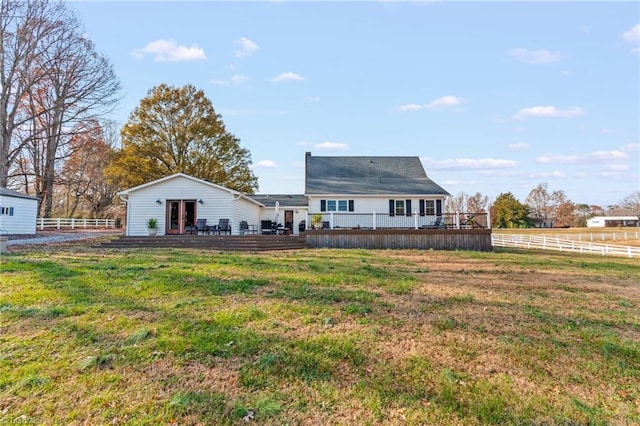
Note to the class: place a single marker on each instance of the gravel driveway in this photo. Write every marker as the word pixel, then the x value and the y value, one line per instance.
pixel 55 237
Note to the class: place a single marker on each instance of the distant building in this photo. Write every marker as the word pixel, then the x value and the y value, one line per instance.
pixel 18 213
pixel 613 221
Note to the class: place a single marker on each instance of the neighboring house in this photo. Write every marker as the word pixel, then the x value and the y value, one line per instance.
pixel 176 202
pixel 612 221
pixel 18 212
pixel 394 187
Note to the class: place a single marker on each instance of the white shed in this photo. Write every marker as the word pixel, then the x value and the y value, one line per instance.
pixel 177 201
pixel 18 212
pixel 612 221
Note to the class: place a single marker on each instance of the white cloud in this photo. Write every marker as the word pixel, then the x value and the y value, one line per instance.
pixel 548 111
pixel 519 145
pixel 331 146
pixel 169 51
pixel 459 182
pixel 287 76
pixel 245 47
pixel 616 167
pixel 541 56
pixel 469 163
pixel 312 98
pixel 631 147
pixel 545 175
pixel 633 37
pixel 606 130
pixel 267 164
pixel 443 102
pixel 596 156
pixel 409 107
pixel 236 80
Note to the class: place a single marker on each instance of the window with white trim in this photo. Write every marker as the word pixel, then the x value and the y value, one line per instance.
pixel 336 205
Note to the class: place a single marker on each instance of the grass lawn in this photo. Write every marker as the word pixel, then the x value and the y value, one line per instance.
pixel 182 337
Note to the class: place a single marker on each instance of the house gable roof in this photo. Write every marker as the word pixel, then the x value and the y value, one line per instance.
pixel 185 176
pixel 368 176
pixel 6 192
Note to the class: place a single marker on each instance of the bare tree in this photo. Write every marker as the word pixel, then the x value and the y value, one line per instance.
pixel 468 203
pixel 80 87
pixel 82 179
pixel 539 202
pixel 69 84
pixel 631 204
pixel 28 29
pixel 477 203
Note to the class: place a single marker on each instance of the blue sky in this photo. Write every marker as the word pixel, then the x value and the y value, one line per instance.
pixel 494 97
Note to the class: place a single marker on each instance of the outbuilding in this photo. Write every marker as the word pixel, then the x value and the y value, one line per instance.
pixel 612 221
pixel 176 202
pixel 18 212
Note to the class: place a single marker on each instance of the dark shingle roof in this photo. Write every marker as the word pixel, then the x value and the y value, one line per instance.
pixel 269 200
pixel 11 193
pixel 368 175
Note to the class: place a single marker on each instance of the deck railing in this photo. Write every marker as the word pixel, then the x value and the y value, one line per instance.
pixel 71 223
pixel 373 220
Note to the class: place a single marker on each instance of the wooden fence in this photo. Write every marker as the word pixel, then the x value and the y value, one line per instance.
pixel 436 239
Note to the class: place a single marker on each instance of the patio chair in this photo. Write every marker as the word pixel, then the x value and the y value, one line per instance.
pixel 201 227
pixel 437 224
pixel 266 227
pixel 245 228
pixel 222 227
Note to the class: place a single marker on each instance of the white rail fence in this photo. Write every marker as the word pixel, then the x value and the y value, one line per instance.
pixel 551 243
pixel 70 223
pixel 596 235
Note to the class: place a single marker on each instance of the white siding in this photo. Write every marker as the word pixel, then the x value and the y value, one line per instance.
pixel 369 204
pixel 24 217
pixel 244 209
pixel 216 203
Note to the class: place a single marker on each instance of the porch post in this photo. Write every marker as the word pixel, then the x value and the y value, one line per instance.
pixel 488 219
pixel 415 219
pixel 457 220
pixel 330 220
pixel 374 220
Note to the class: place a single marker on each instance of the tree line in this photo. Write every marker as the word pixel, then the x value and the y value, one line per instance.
pixel 56 142
pixel 541 208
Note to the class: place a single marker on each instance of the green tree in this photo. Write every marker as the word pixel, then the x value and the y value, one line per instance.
pixel 508 212
pixel 177 130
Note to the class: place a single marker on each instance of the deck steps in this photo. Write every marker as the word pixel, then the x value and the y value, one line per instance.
pixel 211 242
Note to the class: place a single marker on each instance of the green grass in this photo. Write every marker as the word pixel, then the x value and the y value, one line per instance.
pixel 318 337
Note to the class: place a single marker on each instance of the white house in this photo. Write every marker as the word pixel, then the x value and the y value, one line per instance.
pixel 176 202
pixel 612 221
pixel 18 212
pixel 397 188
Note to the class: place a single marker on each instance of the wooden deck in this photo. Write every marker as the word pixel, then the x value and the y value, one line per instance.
pixel 212 242
pixel 425 239
pixel 422 239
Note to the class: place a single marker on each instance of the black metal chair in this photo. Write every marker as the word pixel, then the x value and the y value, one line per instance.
pixel 266 227
pixel 245 228
pixel 201 226
pixel 222 227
